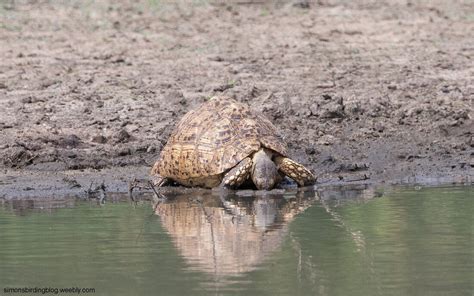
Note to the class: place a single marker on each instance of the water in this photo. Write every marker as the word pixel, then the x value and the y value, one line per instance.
pixel 401 241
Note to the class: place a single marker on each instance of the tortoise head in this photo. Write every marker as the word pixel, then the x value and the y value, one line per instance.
pixel 264 171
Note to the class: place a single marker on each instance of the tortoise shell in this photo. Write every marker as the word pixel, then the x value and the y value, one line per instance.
pixel 212 139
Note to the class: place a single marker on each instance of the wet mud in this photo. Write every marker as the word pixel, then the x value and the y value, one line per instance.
pixel 362 91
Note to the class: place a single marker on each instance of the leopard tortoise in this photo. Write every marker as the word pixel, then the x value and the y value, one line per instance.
pixel 224 143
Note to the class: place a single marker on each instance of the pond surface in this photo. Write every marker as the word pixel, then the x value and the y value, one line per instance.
pixel 359 241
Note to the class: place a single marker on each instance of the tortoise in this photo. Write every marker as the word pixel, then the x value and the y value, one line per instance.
pixel 223 143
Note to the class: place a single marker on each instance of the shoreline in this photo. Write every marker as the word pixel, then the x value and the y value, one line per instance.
pixel 40 185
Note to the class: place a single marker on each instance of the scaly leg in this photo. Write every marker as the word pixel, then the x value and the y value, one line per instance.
pixel 295 171
pixel 236 176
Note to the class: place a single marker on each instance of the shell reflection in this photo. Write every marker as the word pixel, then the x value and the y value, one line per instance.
pixel 231 235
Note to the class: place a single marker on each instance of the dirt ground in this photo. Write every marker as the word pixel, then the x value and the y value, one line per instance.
pixel 378 91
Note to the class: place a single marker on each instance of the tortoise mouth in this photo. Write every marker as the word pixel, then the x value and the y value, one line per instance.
pixel 264 184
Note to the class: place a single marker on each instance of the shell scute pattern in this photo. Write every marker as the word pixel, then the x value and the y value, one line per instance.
pixel 214 138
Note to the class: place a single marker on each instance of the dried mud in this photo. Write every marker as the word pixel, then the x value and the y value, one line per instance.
pixel 372 91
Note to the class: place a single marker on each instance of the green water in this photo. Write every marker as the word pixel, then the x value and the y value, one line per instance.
pixel 400 241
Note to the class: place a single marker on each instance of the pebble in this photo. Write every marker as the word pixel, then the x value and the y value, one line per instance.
pixel 122 136
pixel 70 141
pixel 124 152
pixel 99 139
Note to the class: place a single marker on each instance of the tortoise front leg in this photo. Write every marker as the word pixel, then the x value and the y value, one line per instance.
pixel 237 175
pixel 295 171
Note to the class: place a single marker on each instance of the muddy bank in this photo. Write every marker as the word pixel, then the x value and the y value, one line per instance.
pixel 361 91
pixel 113 185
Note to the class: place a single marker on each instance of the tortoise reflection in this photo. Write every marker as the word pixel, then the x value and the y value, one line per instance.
pixel 232 235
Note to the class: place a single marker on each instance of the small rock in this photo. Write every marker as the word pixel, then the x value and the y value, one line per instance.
pixel 70 154
pixel 379 127
pixel 402 155
pixel 352 167
pixel 71 182
pixel 326 140
pixel 356 177
pixel 124 152
pixel 47 83
pixel 333 109
pixel 461 114
pixel 122 136
pixel 27 100
pixel 216 58
pixel 5 126
pixel 254 92
pixel 118 60
pixel 150 149
pixel 329 111
pixel 223 87
pixel 353 108
pixel 141 148
pixel 310 151
pixel 328 159
pixel 411 157
pixel 305 4
pixel 99 139
pixel 69 141
pixel 18 157
pixel 31 100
